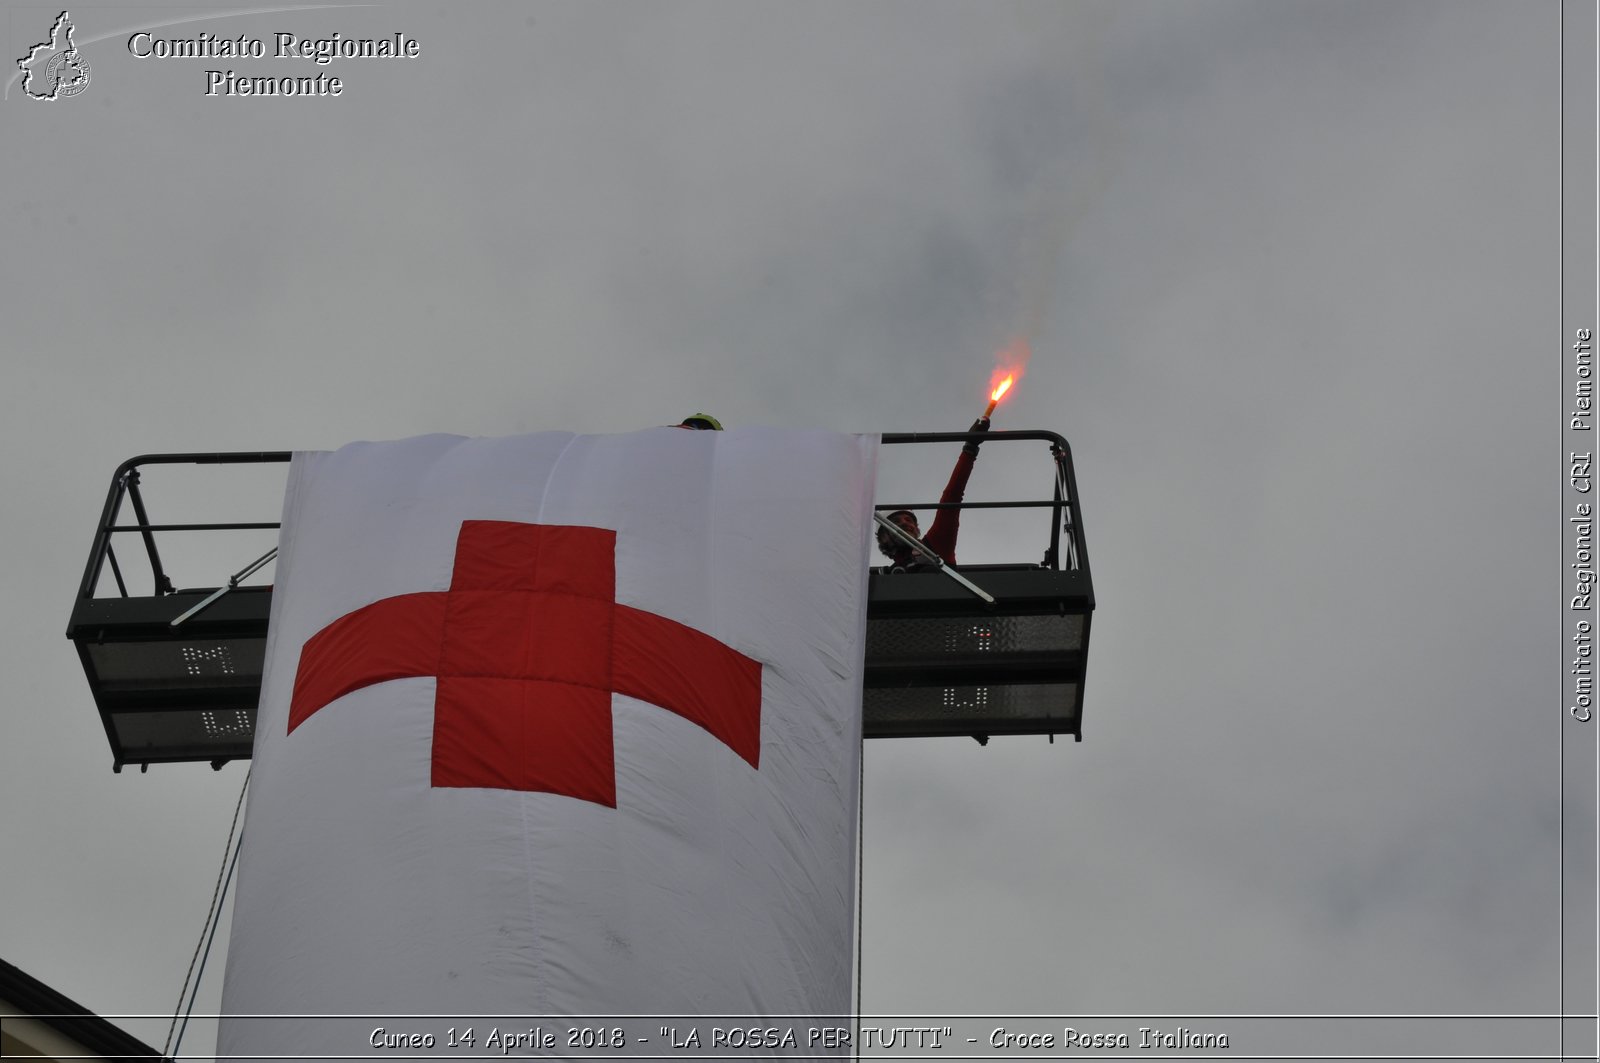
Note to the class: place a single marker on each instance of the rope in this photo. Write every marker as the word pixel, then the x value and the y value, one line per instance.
pixel 206 956
pixel 223 872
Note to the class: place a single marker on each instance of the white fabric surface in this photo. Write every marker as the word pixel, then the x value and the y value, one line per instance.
pixel 712 888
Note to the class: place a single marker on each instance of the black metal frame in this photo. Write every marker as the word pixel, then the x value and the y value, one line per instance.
pixel 128 617
pixel 1058 585
pixel 125 484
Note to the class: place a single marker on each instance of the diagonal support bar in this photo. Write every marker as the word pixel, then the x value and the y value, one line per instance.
pixel 233 582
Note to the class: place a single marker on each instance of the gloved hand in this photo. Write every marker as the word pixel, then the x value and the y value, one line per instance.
pixel 971 445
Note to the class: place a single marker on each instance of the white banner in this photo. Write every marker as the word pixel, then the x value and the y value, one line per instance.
pixel 557 725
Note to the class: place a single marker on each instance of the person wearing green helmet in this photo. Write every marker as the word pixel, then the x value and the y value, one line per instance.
pixel 703 422
pixel 941 538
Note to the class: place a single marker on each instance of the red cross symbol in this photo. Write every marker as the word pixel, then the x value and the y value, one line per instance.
pixel 528 645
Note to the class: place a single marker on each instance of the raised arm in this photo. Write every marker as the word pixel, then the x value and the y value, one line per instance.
pixel 941 537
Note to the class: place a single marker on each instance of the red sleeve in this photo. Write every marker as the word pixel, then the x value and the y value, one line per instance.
pixel 941 538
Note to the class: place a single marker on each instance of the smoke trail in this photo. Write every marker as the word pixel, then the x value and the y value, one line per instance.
pixel 1010 361
pixel 1069 179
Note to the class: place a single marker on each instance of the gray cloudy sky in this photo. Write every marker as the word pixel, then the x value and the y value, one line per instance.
pixel 1290 271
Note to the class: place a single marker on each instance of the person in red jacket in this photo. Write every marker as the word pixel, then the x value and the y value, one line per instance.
pixel 941 538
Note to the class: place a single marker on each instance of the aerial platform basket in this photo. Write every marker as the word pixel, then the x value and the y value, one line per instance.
pixel 941 660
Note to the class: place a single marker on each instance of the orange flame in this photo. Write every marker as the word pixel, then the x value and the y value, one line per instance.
pixel 1009 366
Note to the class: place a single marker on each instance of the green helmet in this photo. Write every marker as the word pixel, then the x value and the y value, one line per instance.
pixel 702 421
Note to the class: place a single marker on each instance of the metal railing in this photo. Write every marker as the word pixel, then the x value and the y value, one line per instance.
pixel 125 486
pixel 1066 516
pixel 1066 526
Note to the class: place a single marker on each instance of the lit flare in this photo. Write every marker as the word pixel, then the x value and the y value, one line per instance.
pixel 998 393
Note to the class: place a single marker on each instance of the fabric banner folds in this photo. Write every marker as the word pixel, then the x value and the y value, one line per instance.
pixel 556 726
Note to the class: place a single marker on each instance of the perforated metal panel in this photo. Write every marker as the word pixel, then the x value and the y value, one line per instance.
pixel 198 664
pixel 190 734
pixel 193 699
pixel 978 639
pixel 1032 708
